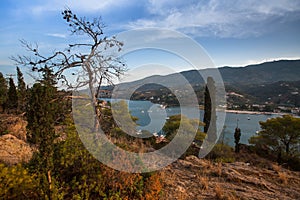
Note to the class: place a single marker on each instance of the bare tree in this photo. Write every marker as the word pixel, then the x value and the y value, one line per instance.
pixel 92 62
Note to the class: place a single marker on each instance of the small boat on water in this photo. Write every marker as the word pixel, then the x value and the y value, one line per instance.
pixel 155 134
pixel 139 132
pixel 163 106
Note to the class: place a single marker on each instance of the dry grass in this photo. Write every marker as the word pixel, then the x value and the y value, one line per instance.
pixel 219 192
pixel 169 178
pixel 283 177
pixel 276 168
pixel 182 196
pixel 219 169
pixel 232 196
pixel 204 182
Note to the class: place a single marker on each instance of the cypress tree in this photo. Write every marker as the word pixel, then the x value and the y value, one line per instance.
pixel 210 110
pixel 3 92
pixel 41 114
pixel 21 91
pixel 12 102
pixel 237 137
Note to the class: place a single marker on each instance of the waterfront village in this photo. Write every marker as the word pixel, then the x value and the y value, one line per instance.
pixel 232 104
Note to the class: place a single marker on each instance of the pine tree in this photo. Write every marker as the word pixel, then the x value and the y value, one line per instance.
pixel 21 91
pixel 3 92
pixel 12 102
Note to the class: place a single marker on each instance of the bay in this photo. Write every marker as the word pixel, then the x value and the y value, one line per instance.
pixel 152 117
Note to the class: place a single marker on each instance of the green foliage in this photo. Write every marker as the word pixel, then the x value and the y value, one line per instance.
pixel 17 183
pixel 41 114
pixel 124 118
pixel 279 136
pixel 75 174
pixel 3 92
pixel 209 118
pixel 75 169
pixel 83 177
pixel 222 153
pixel 207 109
pixel 237 137
pixel 121 126
pixel 12 101
pixel 172 125
pixel 189 126
pixel 21 90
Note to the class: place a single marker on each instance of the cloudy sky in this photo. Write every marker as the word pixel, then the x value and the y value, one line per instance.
pixel 232 32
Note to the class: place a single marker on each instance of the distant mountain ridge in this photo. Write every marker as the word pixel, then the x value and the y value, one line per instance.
pixel 268 72
pixel 275 81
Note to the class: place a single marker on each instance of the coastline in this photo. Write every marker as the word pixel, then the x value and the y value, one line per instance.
pixel 253 112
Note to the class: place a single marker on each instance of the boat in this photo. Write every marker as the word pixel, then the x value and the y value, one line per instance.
pixel 163 106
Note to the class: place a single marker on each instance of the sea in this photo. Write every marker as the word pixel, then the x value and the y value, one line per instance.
pixel 152 117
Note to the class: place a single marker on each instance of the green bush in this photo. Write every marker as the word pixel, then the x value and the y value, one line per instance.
pixel 222 153
pixel 17 183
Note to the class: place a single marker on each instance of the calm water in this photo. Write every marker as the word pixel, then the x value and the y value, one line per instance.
pixel 152 118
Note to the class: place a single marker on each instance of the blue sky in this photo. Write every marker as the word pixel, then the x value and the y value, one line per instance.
pixel 233 33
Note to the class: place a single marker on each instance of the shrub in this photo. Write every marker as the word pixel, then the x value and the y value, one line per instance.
pixel 17 183
pixel 222 153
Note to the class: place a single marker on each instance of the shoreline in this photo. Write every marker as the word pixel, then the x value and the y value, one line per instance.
pixel 253 112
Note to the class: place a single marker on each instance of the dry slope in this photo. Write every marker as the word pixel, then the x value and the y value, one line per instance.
pixel 195 178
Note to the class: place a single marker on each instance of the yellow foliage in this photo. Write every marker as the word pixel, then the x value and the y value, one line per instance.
pixel 16 183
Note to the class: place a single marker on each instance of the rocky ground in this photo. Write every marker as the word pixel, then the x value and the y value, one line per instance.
pixel 194 178
pixel 13 146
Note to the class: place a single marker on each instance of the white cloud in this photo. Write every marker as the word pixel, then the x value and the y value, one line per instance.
pixel 78 5
pixel 257 61
pixel 58 35
pixel 222 18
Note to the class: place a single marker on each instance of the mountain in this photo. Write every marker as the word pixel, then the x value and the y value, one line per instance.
pixel 268 72
pixel 276 81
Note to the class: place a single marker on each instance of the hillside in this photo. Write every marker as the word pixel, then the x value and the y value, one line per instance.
pixel 194 178
pixel 275 81
pixel 281 92
pixel 268 72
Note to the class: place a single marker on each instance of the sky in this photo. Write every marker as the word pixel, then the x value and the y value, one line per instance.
pixel 232 33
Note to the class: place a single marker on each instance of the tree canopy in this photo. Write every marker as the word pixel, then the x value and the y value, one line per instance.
pixel 21 90
pixel 12 101
pixel 280 135
pixel 3 91
pixel 210 118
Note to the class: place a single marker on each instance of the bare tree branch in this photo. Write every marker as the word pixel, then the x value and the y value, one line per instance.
pixel 89 61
